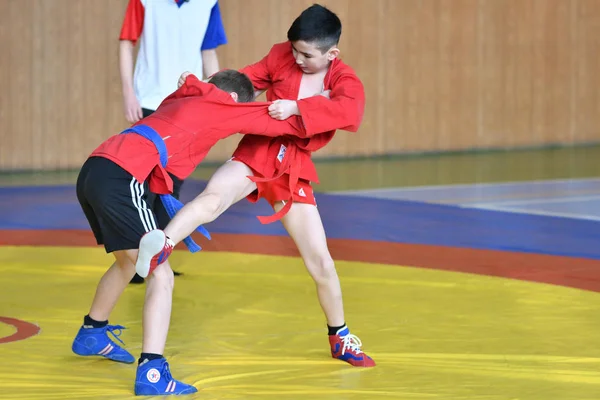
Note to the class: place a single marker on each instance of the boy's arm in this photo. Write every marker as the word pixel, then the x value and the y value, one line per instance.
pixel 258 122
pixel 255 119
pixel 344 110
pixel 131 105
pixel 213 37
pixel 131 30
pixel 210 62
pixel 246 118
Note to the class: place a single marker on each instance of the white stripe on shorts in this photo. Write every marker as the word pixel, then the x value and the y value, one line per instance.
pixel 146 216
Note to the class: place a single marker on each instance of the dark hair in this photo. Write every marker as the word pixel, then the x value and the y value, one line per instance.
pixel 316 25
pixel 231 80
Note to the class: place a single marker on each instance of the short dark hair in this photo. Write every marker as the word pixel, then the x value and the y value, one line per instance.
pixel 231 80
pixel 316 25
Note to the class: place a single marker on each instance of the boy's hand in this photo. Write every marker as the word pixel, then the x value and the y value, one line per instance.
pixel 131 106
pixel 181 80
pixel 283 109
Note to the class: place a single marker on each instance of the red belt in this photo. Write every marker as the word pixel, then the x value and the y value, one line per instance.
pixel 291 168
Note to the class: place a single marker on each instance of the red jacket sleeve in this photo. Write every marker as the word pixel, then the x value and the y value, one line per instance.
pixel 343 110
pixel 260 72
pixel 133 23
pixel 267 126
pixel 246 118
pixel 254 119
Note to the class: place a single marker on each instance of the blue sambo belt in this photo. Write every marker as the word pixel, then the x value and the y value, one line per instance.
pixel 171 204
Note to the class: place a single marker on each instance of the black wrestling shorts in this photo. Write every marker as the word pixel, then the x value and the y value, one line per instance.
pixel 119 209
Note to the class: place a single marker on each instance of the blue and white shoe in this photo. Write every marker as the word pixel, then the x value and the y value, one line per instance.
pixel 95 342
pixel 154 378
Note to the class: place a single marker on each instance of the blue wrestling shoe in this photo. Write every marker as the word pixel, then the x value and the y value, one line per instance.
pixel 153 378
pixel 95 342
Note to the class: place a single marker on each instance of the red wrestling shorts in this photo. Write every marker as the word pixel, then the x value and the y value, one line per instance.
pixel 279 190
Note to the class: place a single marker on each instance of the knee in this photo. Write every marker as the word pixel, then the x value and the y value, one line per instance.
pixel 211 205
pixel 163 275
pixel 126 267
pixel 123 260
pixel 322 268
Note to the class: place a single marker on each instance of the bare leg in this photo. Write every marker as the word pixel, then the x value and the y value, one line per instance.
pixel 156 321
pixel 228 185
pixel 157 304
pixel 112 284
pixel 157 309
pixel 304 225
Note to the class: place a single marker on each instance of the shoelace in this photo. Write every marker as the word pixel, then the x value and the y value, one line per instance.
pixel 166 372
pixel 118 328
pixel 352 343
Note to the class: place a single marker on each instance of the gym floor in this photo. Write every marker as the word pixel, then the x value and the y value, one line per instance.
pixel 466 276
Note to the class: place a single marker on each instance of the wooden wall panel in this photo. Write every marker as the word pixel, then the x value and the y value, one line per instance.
pixel 16 72
pixel 585 94
pixel 439 75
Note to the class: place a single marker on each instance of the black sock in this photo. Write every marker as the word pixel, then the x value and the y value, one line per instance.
pixel 88 322
pixel 334 329
pixel 149 357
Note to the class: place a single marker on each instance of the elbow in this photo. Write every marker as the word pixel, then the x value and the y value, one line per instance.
pixel 353 124
pixel 357 120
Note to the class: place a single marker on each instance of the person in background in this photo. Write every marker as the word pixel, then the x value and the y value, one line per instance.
pixel 174 36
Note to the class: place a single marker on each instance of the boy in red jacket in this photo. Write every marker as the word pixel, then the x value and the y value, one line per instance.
pixel 116 189
pixel 280 169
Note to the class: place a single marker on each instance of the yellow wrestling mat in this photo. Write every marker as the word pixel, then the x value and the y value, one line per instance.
pixel 250 327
